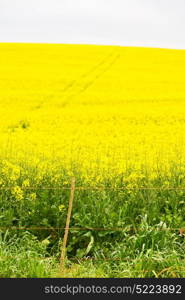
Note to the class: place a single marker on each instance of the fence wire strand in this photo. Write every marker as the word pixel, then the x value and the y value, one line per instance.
pixel 90 228
pixel 98 188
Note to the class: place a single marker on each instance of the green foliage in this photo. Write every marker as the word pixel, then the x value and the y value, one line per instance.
pixel 138 229
pixel 24 256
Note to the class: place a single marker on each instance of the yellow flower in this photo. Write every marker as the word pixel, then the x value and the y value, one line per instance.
pixel 136 124
pixel 17 192
pixel 61 208
pixel 45 242
pixel 26 183
pixel 33 196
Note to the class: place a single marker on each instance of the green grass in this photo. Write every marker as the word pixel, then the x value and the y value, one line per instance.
pixel 137 236
pixel 149 253
pixel 24 256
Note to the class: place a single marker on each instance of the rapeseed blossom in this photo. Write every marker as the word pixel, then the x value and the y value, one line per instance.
pixel 101 114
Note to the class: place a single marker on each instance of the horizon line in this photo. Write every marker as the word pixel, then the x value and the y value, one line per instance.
pixel 93 44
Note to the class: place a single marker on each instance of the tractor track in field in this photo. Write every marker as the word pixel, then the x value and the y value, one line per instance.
pixel 84 75
pixel 99 74
pixel 76 87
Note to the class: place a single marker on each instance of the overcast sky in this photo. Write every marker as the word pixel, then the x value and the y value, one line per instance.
pixel 155 23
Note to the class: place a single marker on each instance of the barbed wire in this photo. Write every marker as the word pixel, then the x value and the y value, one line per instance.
pixel 77 259
pixel 91 228
pixel 96 188
pixel 128 228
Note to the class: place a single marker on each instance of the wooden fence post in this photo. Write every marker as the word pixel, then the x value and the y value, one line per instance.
pixel 63 250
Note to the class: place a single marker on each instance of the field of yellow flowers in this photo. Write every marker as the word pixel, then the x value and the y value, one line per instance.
pixel 113 117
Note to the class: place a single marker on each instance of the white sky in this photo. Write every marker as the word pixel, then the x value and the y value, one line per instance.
pixel 155 23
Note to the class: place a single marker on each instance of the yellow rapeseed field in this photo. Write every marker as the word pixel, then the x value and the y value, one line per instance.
pixel 97 112
pixel 113 117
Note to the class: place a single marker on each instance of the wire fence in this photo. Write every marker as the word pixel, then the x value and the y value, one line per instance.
pixel 84 188
pixel 67 228
pixel 174 270
pixel 81 259
pixel 91 228
pixel 97 188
